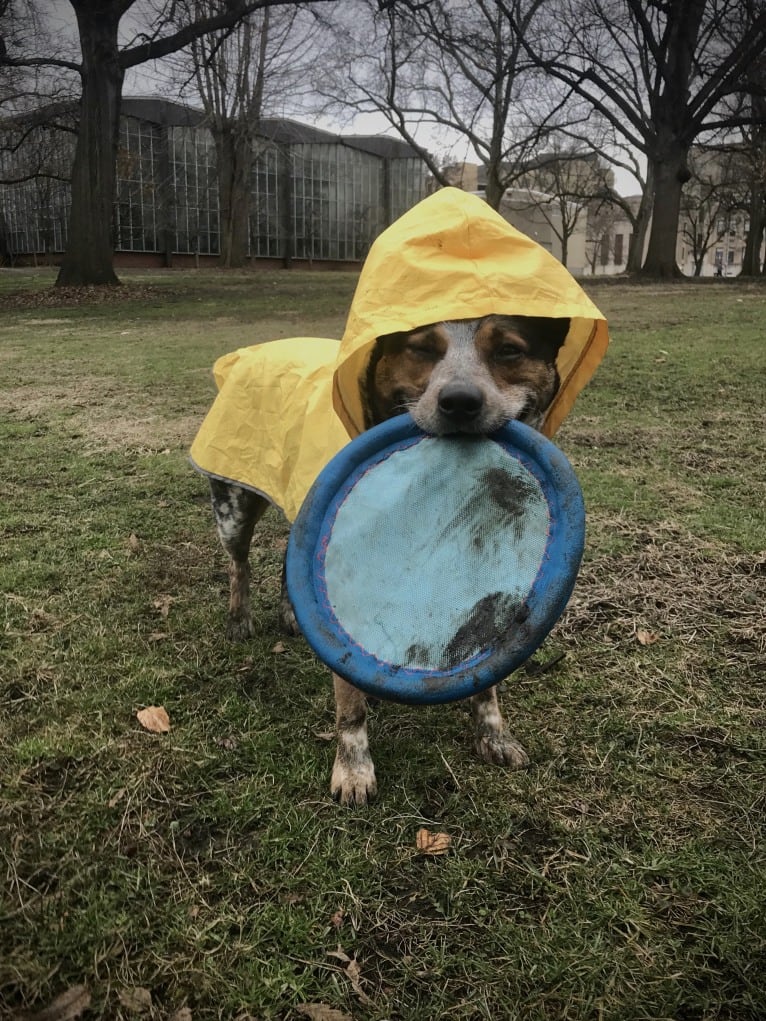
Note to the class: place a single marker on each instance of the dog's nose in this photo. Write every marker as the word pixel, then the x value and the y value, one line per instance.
pixel 460 402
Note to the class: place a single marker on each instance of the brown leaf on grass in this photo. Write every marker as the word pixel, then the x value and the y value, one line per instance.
pixel 117 797
pixel 163 604
pixel 279 648
pixel 182 1014
pixel 432 843
pixel 137 1000
pixel 66 1007
pixel 134 543
pixel 228 743
pixel 158 636
pixel 353 971
pixel 321 1012
pixel 336 920
pixel 154 718
pixel 647 637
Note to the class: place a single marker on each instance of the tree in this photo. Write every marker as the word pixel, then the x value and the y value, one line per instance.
pixel 454 70
pixel 238 74
pixel 101 68
pixel 659 72
pixel 754 151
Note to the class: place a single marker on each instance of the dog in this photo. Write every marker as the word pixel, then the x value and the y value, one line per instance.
pixel 466 376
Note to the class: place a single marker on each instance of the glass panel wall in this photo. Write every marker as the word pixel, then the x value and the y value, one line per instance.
pixel 407 185
pixel 34 205
pixel 138 178
pixel 309 200
pixel 194 191
pixel 265 206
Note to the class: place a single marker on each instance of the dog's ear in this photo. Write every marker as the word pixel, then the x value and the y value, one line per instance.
pixel 546 334
pixel 367 388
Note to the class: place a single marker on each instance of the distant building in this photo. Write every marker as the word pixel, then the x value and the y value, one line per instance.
pixel 714 221
pixel 316 196
pixel 713 226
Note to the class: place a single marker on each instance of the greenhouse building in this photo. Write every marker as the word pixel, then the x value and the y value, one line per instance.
pixel 315 196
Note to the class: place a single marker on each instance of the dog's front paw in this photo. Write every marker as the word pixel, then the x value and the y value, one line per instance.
pixel 355 785
pixel 501 750
pixel 239 627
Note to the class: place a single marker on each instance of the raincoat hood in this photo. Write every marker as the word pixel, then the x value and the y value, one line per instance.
pixel 285 408
pixel 453 257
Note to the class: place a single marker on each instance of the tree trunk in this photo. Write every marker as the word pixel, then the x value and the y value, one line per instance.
pixel 235 160
pixel 90 247
pixel 751 261
pixel 641 225
pixel 494 191
pixel 670 173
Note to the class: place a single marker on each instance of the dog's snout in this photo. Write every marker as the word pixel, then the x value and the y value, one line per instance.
pixel 460 402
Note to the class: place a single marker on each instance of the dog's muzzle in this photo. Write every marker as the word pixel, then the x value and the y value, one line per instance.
pixel 460 404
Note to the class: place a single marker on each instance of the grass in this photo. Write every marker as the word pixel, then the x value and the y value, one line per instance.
pixel 622 876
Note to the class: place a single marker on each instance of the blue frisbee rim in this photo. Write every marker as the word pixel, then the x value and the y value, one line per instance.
pixel 542 607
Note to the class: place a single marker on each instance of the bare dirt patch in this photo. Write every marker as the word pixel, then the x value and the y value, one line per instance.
pixel 69 297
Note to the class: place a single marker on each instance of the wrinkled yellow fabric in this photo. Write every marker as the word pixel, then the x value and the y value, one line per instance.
pixel 285 408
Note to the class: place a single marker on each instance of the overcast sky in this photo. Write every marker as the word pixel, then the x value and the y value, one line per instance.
pixel 145 80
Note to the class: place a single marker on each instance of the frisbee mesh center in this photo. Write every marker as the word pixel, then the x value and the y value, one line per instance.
pixel 433 551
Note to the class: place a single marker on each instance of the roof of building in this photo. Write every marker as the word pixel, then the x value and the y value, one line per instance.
pixel 277 129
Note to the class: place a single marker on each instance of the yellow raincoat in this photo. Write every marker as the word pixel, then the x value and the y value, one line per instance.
pixel 285 408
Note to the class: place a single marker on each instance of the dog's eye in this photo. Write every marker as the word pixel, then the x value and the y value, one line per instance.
pixel 507 353
pixel 423 352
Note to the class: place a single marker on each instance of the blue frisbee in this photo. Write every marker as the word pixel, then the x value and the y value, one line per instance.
pixel 424 568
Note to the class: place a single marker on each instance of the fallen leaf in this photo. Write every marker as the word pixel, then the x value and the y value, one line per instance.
pixel 647 637
pixel 354 972
pixel 279 648
pixel 134 543
pixel 182 1014
pixel 154 718
pixel 137 1000
pixel 321 1012
pixel 227 743
pixel 117 797
pixel 336 920
pixel 432 843
pixel 325 735
pixel 163 604
pixel 66 1007
pixel 158 636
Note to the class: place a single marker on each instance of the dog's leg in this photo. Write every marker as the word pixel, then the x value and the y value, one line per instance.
pixel 493 742
pixel 353 775
pixel 287 620
pixel 236 512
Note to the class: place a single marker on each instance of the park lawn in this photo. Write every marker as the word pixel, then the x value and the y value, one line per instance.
pixel 621 876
